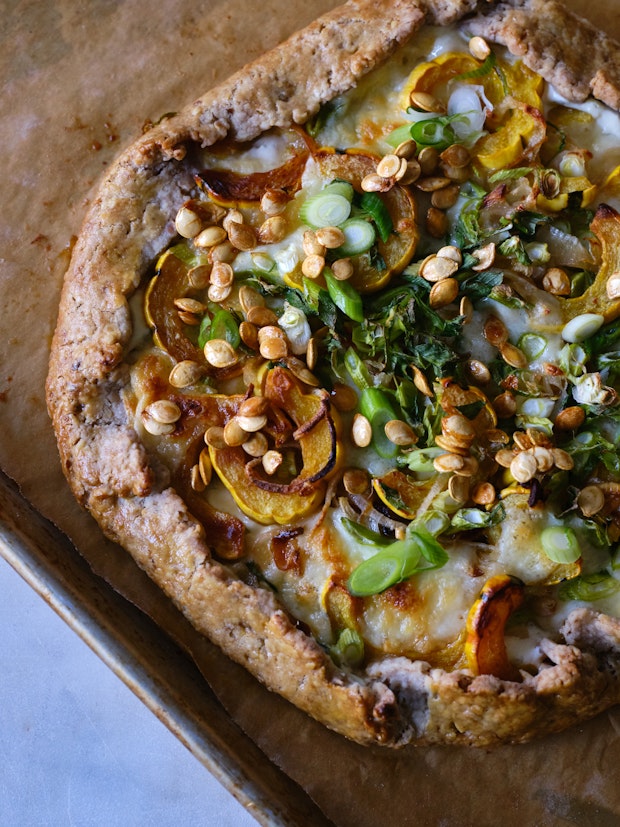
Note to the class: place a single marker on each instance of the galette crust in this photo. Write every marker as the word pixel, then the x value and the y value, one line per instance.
pixel 396 701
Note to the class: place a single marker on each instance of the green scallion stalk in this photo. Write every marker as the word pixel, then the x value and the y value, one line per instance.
pixel 391 565
pixel 348 649
pixel 224 326
pixel 204 331
pixel 356 369
pixel 363 535
pixel 344 296
pixel 532 344
pixel 400 560
pixel 433 132
pixel 373 204
pixel 359 236
pixel 590 587
pixel 560 544
pixel 379 408
pixel 326 209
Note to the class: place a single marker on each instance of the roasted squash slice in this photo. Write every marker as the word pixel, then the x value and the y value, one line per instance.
pixel 485 646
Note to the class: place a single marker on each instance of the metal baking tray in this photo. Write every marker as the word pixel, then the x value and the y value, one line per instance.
pixel 149 663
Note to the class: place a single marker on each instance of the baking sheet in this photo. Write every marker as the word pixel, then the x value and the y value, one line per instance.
pixel 80 79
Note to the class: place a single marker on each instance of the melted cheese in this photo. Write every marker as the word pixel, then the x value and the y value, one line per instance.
pixel 425 616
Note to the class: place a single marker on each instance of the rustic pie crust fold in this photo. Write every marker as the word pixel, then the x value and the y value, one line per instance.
pixel 394 699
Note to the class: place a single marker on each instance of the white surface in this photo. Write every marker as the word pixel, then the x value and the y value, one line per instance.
pixel 76 746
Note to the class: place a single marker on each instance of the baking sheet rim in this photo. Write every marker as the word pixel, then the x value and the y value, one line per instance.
pixel 19 550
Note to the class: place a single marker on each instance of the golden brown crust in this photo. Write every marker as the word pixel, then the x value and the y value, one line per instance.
pixel 565 49
pixel 109 470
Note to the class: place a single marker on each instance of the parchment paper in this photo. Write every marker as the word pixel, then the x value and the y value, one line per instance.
pixel 79 81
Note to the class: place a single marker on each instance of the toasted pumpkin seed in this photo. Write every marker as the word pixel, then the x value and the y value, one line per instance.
pixel 210 237
pixel 272 460
pixel 436 222
pixel 200 276
pixel 256 445
pixel 185 373
pixel 248 297
pixel 342 269
pixel 313 265
pixel 164 411
pixel 214 437
pixel 513 355
pixel 330 237
pixel 356 481
pixel 523 467
pixel 219 292
pixel 234 433
pixel 570 418
pixel 591 500
pixel 232 215
pixel 272 230
pixel 458 488
pixel 261 316
pixel 242 236
pixel 556 282
pixel 205 467
pixel 479 48
pixel 223 252
pixel 375 183
pixel 311 244
pixel 361 431
pixel 251 424
pixel 449 463
pixel 222 274
pixel 187 222
pixel 435 268
pixel 220 354
pixel 485 257
pixel 389 166
pixel 399 432
pixel 189 305
pixel 425 102
pixel 196 481
pixel 428 158
pixel 443 293
pixel 274 202
pixel 484 494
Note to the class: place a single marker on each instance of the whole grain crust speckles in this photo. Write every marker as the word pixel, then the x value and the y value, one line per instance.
pixel 569 52
pixel 109 470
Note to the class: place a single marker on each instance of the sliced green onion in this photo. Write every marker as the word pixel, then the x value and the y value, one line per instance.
pixel 391 565
pixel 339 187
pixel 188 256
pixel 532 344
pixel 582 327
pixel 433 522
pixel 357 369
pixel 590 587
pixel 373 204
pixel 397 562
pixel 379 408
pixel 326 209
pixel 560 544
pixel 204 330
pixel 484 69
pixel 420 460
pixel 344 296
pixel 224 326
pixel 433 132
pixel 365 535
pixel 399 135
pixel 348 649
pixel 359 236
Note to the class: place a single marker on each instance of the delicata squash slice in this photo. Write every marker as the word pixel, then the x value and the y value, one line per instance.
pixel 338 358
